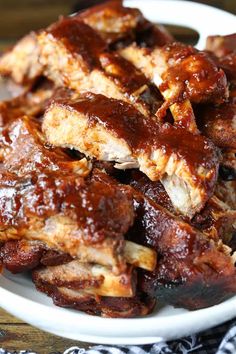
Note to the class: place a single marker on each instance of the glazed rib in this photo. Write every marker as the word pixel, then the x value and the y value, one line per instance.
pixel 138 305
pixel 92 278
pixel 179 81
pixel 120 133
pixel 59 230
pixel 193 270
pixel 111 20
pixel 114 22
pixel 49 199
pixel 86 62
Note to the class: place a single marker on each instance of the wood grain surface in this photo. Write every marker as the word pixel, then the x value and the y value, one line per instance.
pixel 19 17
pixel 16 335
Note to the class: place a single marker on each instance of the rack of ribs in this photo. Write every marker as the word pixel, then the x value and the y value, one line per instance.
pixel 117 176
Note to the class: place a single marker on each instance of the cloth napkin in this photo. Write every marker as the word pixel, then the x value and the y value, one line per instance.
pixel 218 340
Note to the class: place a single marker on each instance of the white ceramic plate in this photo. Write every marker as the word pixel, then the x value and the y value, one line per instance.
pixel 17 293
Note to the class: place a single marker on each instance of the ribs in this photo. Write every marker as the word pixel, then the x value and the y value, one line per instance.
pixel 138 305
pixel 193 270
pixel 118 24
pixel 112 21
pixel 86 62
pixel 216 219
pixel 171 69
pixel 44 198
pixel 186 163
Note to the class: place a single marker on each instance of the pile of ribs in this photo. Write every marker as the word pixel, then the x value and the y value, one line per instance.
pixel 118 164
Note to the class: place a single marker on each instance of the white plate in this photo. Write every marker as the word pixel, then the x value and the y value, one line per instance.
pixel 18 295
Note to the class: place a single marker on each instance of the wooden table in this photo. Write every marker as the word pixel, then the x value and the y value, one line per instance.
pixel 16 335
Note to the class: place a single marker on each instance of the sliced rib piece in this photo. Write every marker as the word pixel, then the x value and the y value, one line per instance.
pixel 86 221
pixel 171 69
pixel 139 305
pixel 219 124
pixel 22 61
pixel 87 62
pixel 193 270
pixel 115 22
pixel 112 20
pixel 94 279
pixel 187 164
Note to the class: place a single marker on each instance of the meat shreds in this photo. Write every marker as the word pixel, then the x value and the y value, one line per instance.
pixel 186 163
pixel 24 255
pixel 112 20
pixel 193 270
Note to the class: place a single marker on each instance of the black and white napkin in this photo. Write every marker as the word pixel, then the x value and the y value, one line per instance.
pixel 218 340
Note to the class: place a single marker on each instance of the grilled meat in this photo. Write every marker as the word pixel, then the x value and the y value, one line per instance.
pixel 186 163
pixel 115 22
pixel 90 242
pixel 138 305
pixel 216 219
pixel 193 270
pixel 45 198
pixel 171 69
pixel 21 256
